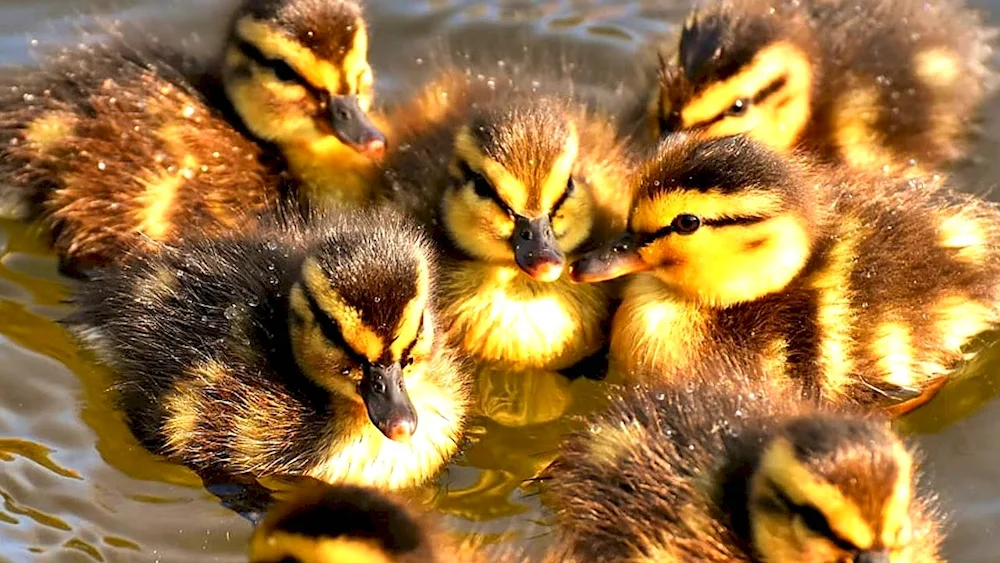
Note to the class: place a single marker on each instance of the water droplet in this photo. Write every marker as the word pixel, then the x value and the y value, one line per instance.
pixel 101 165
pixel 188 111
pixel 272 245
pixel 378 299
pixel 272 280
pixel 232 311
pixel 739 413
pixel 661 396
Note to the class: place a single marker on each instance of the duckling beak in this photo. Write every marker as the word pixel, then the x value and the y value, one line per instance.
pixel 536 250
pixel 351 125
pixel 388 405
pixel 613 260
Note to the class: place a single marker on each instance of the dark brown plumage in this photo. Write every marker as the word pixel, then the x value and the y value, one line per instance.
pixel 129 141
pixel 863 288
pixel 881 84
pixel 256 353
pixel 727 465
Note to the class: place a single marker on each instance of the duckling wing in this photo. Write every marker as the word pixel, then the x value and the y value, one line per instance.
pixel 109 145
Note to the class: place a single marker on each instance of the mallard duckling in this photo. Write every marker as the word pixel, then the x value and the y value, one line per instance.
pixel 729 465
pixel 879 85
pixel 868 298
pixel 511 180
pixel 343 523
pixel 299 349
pixel 115 144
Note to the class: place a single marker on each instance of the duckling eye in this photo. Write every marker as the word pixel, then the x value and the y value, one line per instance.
pixel 283 72
pixel 685 224
pixel 739 107
pixel 480 184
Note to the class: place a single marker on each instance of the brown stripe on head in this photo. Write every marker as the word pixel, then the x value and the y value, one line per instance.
pixel 854 473
pixel 533 142
pixel 326 27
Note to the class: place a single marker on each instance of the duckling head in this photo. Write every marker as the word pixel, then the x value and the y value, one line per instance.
pixel 721 221
pixel 361 321
pixel 515 198
pixel 744 69
pixel 297 72
pixel 830 488
pixel 338 523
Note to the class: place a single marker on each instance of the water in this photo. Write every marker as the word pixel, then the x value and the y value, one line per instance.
pixel 77 487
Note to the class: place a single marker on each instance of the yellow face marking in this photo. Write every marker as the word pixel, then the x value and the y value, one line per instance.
pixel 357 71
pixel 723 266
pixel 777 120
pixel 410 325
pixel 893 347
pixel 781 466
pixel 556 181
pixel 937 67
pixel 511 190
pixel 279 546
pixel 318 72
pixel 359 337
pixel 649 216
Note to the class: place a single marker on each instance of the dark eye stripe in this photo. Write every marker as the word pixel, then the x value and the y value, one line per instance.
pixel 570 186
pixel 409 347
pixel 281 69
pixel 764 93
pixel 331 331
pixel 470 175
pixel 649 238
pixel 814 519
pixel 767 91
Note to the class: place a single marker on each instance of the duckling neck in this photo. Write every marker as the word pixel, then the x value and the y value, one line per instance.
pixel 656 329
pixel 499 314
pixel 331 173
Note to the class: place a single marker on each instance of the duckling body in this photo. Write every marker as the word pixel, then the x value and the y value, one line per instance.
pixel 123 144
pixel 882 85
pixel 510 180
pixel 862 294
pixel 308 349
pixel 729 465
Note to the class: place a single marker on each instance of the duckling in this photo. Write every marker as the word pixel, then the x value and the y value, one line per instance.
pixel 294 348
pixel 866 288
pixel 731 466
pixel 879 85
pixel 346 523
pixel 510 179
pixel 121 143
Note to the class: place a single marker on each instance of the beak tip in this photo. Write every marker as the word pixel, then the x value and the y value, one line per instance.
pixel 374 149
pixel 401 431
pixel 547 272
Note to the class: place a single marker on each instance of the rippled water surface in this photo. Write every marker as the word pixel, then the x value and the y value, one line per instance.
pixel 75 485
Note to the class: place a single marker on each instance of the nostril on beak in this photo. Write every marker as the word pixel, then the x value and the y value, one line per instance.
pixel 526 234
